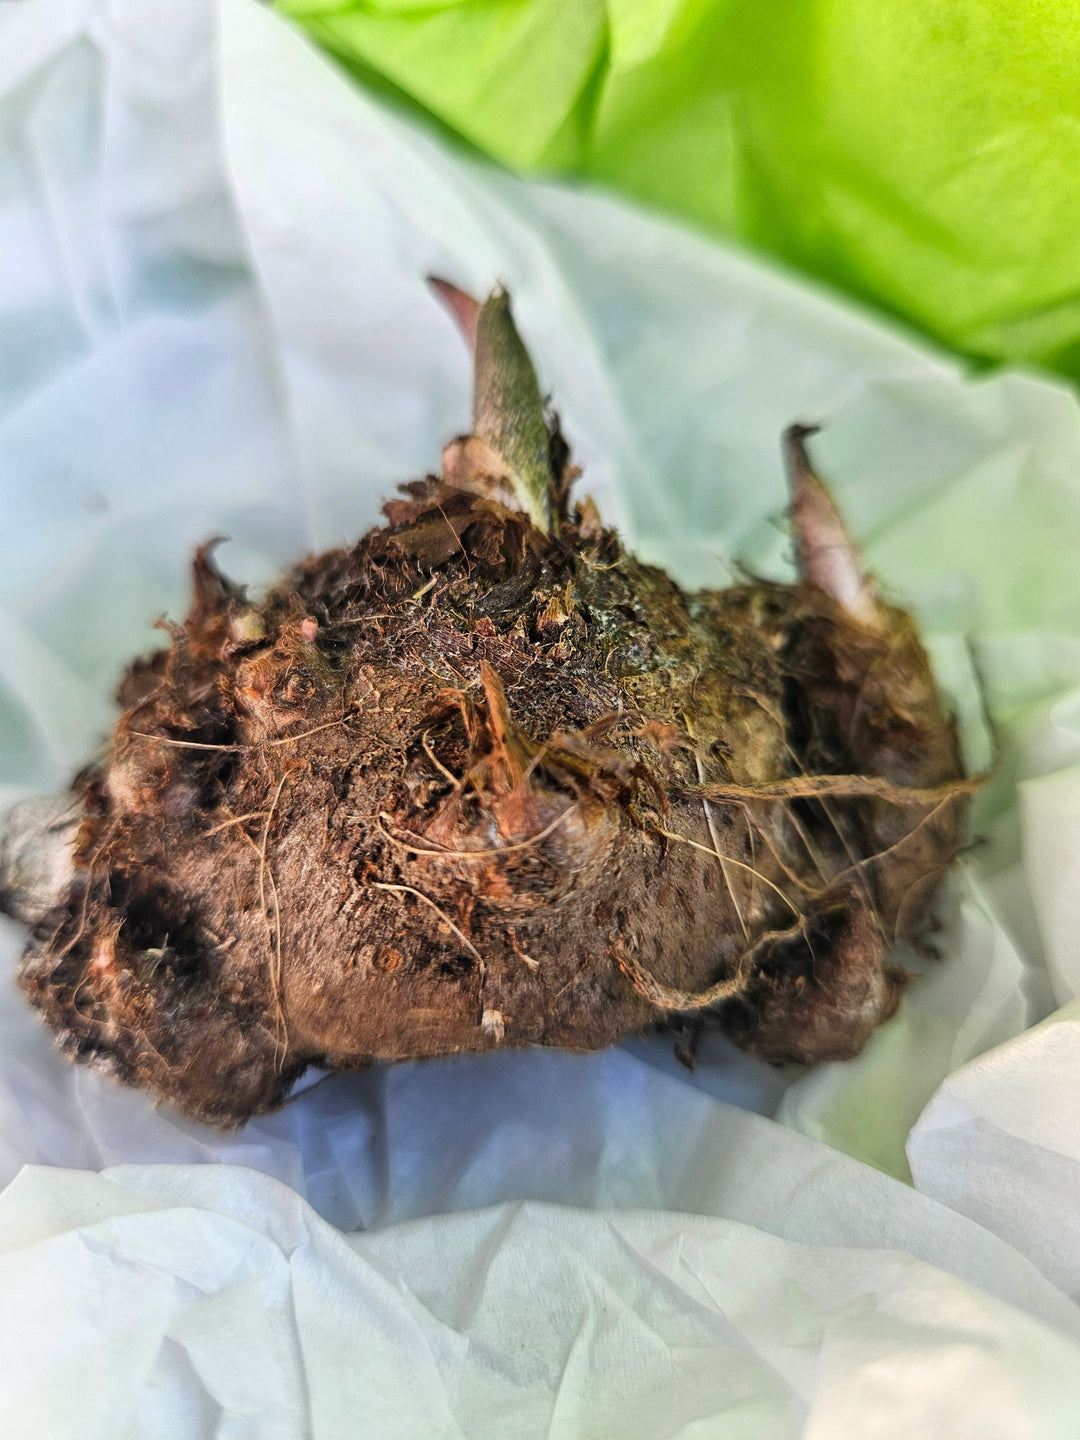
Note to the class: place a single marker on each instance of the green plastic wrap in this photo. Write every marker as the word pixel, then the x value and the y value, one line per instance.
pixel 920 155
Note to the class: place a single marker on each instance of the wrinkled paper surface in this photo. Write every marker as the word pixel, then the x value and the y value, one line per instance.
pixel 214 321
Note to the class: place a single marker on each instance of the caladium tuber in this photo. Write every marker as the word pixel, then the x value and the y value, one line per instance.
pixel 483 780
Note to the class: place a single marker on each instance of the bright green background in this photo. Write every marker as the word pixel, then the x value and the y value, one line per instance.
pixel 922 155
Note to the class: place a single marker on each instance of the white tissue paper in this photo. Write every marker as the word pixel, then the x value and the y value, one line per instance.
pixel 213 319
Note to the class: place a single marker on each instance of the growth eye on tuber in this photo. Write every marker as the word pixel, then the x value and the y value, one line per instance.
pixel 483 780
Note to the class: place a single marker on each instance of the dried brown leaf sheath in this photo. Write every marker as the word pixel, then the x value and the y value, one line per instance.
pixel 483 780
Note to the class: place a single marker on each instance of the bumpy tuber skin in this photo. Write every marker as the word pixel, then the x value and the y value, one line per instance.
pixel 485 780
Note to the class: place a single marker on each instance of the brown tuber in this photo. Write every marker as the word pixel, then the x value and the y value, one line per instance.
pixel 486 780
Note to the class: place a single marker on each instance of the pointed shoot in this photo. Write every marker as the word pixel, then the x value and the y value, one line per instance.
pixel 508 409
pixel 464 309
pixel 827 558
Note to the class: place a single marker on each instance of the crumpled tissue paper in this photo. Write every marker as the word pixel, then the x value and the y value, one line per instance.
pixel 215 321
